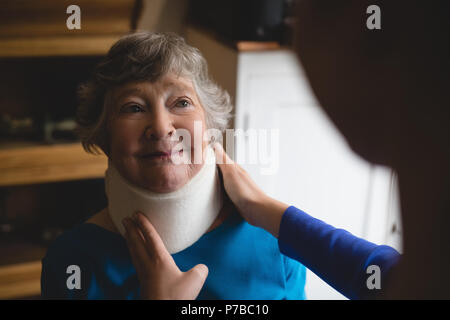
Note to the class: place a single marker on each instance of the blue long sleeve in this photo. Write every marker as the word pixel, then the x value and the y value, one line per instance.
pixel 335 255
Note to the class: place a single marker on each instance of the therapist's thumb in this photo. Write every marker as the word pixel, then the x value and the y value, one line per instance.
pixel 221 156
pixel 194 280
pixel 235 177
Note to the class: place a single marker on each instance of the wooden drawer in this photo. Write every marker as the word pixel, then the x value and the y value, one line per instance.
pixel 20 280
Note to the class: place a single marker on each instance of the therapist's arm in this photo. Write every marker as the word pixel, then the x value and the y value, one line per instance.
pixel 335 255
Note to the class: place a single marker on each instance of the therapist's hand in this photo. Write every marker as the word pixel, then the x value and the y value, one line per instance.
pixel 252 203
pixel 159 276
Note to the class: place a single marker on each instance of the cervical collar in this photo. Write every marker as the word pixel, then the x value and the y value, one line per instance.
pixel 180 217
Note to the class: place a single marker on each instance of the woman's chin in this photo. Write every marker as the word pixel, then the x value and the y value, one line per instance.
pixel 164 180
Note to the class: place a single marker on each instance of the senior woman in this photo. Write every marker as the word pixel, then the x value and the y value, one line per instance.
pixel 150 87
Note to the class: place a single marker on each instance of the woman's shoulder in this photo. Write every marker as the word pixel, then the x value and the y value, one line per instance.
pixel 72 242
pixel 83 240
pixel 87 251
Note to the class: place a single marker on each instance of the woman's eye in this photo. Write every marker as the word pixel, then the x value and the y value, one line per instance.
pixel 132 108
pixel 183 103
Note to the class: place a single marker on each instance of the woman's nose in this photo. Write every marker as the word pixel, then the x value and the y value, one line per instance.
pixel 160 126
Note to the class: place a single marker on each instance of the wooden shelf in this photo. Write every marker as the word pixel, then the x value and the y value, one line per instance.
pixel 20 280
pixel 20 269
pixel 257 46
pixel 56 46
pixel 31 29
pixel 38 28
pixel 49 163
pixel 198 36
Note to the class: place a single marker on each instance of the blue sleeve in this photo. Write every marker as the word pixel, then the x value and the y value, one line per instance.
pixel 335 255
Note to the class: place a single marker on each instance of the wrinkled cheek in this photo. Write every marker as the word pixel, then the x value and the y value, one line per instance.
pixel 124 137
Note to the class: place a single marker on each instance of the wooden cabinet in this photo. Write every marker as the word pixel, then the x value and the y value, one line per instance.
pixel 38 28
pixel 20 280
pixel 50 163
pixel 42 63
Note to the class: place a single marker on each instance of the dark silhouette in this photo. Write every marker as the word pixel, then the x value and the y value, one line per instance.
pixel 388 92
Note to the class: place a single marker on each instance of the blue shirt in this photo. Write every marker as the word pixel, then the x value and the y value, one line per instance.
pixel 335 255
pixel 244 262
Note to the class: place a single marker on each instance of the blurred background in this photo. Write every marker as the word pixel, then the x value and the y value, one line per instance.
pixel 48 183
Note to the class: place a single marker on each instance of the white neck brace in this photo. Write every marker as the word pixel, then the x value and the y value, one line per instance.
pixel 180 217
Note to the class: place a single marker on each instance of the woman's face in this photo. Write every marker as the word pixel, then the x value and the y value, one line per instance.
pixel 144 123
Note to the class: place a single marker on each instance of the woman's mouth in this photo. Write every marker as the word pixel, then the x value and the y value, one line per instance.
pixel 162 156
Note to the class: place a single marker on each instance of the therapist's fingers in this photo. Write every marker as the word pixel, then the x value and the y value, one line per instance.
pixel 193 281
pixel 231 173
pixel 154 244
pixel 136 246
pixel 238 184
pixel 252 203
pixel 221 156
pixel 159 276
pixel 225 163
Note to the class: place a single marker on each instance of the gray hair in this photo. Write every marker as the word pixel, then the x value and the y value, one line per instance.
pixel 146 56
